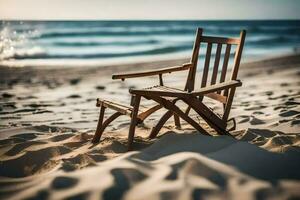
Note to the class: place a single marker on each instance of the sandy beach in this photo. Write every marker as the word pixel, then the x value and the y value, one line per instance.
pixel 48 117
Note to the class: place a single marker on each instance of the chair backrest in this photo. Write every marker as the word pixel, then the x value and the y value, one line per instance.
pixel 226 96
pixel 220 42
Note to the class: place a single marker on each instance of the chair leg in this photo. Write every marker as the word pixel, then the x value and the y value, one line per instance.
pixel 188 119
pixel 199 107
pixel 142 116
pixel 155 130
pixel 99 129
pixel 171 106
pixel 133 121
pixel 177 121
pixel 110 119
pixel 188 109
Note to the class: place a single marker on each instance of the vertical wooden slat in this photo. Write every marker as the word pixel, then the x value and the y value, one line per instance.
pixel 190 82
pixel 196 47
pixel 206 65
pixel 227 106
pixel 216 65
pixel 235 69
pixel 238 55
pixel 225 64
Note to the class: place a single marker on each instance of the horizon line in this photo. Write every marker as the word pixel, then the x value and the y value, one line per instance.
pixel 229 19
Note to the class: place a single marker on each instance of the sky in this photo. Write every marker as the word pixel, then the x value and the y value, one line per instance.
pixel 148 9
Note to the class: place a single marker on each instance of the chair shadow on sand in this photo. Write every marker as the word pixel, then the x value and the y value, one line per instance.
pixel 251 161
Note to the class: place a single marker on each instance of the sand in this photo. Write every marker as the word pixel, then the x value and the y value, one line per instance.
pixel 48 117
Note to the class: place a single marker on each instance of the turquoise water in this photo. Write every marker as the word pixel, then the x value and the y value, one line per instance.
pixel 73 42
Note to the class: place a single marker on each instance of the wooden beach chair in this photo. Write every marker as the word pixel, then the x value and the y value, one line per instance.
pixel 221 90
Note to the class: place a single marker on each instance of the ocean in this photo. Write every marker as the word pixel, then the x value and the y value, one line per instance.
pixel 85 43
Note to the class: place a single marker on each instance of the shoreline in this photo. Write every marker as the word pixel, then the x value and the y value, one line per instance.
pixel 48 117
pixel 131 61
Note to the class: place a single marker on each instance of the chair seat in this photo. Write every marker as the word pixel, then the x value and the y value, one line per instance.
pixel 121 108
pixel 171 93
pixel 127 110
pixel 163 88
pixel 171 89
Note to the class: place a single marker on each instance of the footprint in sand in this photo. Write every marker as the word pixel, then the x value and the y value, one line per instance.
pixel 17 148
pixel 97 156
pixel 75 81
pixel 74 96
pixel 278 97
pixel 32 162
pixel 284 84
pixel 78 162
pixel 7 95
pixel 272 140
pixel 289 113
pixel 11 141
pixel 256 121
pixel 258 113
pixel 269 93
pixel 245 118
pixel 100 87
pixel 295 122
pixel 291 102
pixel 26 136
pixel 256 107
pixel 63 182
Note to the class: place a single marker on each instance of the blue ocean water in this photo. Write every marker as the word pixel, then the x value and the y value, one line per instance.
pixel 85 42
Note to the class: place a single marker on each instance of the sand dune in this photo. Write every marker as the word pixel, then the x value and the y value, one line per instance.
pixel 190 166
pixel 47 124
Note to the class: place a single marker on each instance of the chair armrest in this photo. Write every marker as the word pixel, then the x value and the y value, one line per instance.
pixel 217 87
pixel 152 72
pixel 183 94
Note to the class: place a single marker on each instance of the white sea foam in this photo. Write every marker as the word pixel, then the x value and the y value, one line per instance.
pixel 112 41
